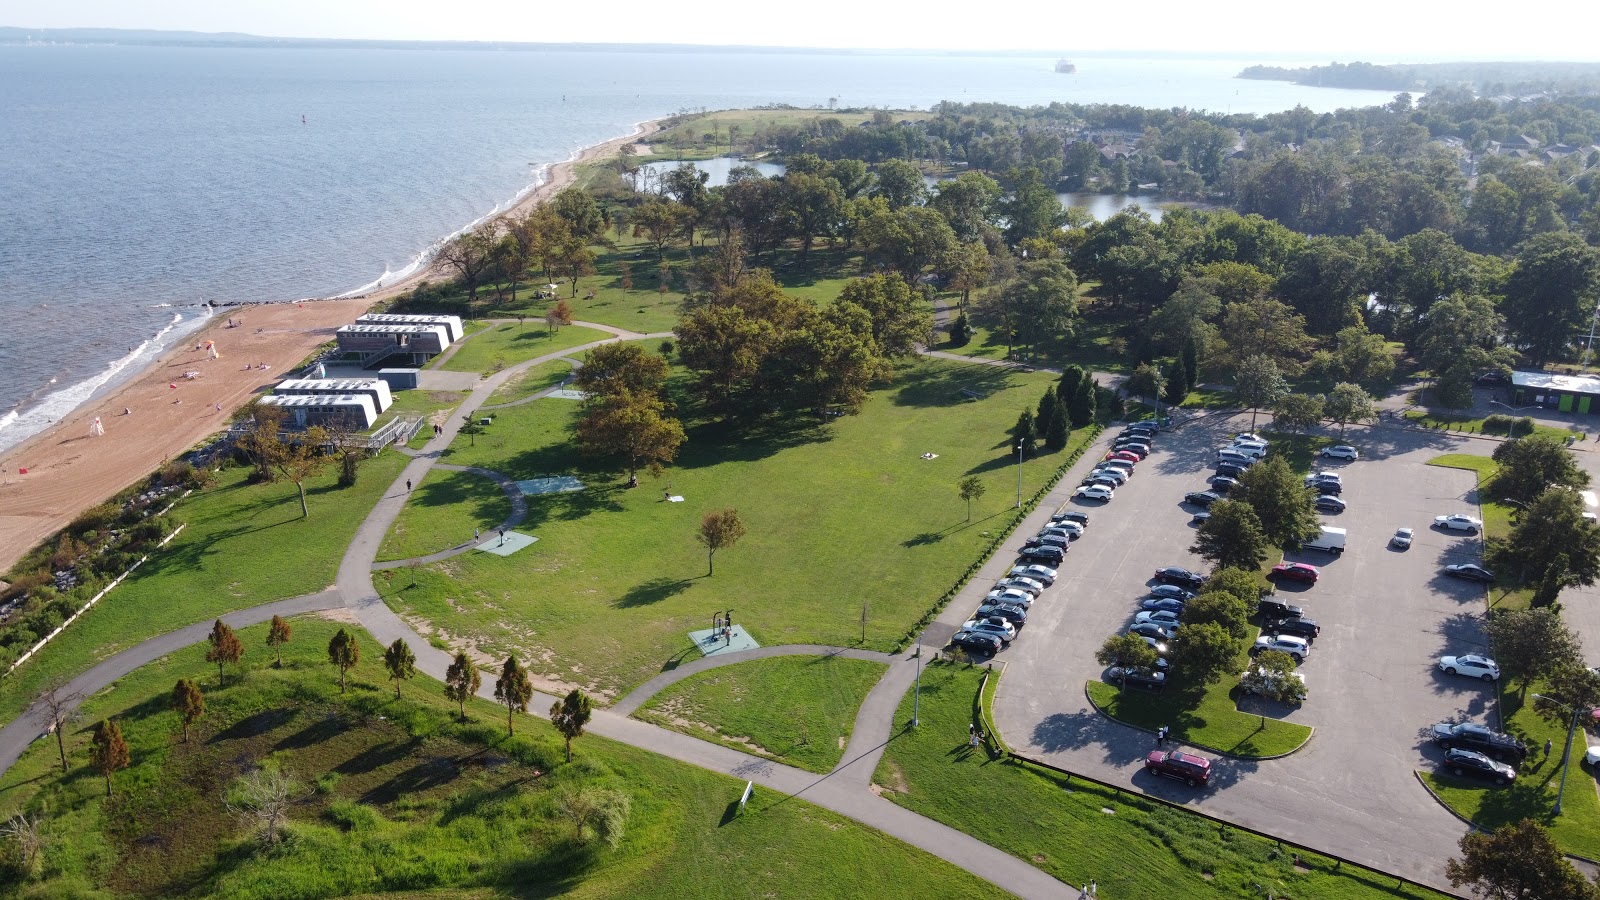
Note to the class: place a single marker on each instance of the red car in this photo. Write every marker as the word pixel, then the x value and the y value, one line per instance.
pixel 1296 571
pixel 1122 454
pixel 1186 767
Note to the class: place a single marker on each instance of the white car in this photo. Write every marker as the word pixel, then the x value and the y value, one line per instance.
pixel 1472 666
pixel 1458 523
pixel 1401 539
pixel 1020 583
pixel 1253 451
pixel 1325 477
pixel 1040 573
pixel 1075 529
pixel 1120 476
pixel 1341 451
pixel 994 626
pixel 1011 596
pixel 1095 492
pixel 1249 436
pixel 1283 643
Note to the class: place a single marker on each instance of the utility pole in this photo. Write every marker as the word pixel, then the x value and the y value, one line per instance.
pixel 1020 444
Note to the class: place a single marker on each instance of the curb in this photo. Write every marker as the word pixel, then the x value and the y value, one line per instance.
pixel 1474 825
pixel 1209 749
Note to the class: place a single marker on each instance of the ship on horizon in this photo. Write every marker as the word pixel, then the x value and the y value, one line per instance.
pixel 1066 67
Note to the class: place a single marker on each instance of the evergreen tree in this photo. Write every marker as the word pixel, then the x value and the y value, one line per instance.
pixel 401 663
pixel 1081 408
pixel 278 634
pixel 1055 437
pixel 1047 411
pixel 1023 433
pixel 570 714
pixel 188 703
pixel 513 689
pixel 1189 361
pixel 461 682
pixel 1177 388
pixel 344 652
pixel 1071 377
pixel 108 751
pixel 226 647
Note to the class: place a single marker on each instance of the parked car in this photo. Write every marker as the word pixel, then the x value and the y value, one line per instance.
pixel 1123 455
pixel 1020 583
pixel 1201 498
pixel 974 642
pixel 1472 665
pixel 996 626
pixel 1222 483
pixel 1048 540
pixel 1254 451
pixel 1332 488
pixel 1043 553
pixel 1011 612
pixel 1137 678
pixel 1283 643
pixel 1469 762
pixel 1151 632
pixel 1010 597
pixel 1329 503
pixel 1470 571
pixel 1458 523
pixel 1200 518
pixel 1295 572
pixel 1118 477
pixel 1298 626
pixel 1166 618
pixel 1324 476
pixel 1145 427
pixel 1095 492
pixel 1045 575
pixel 1249 436
pixel 1158 645
pixel 1229 469
pixel 1100 478
pixel 1234 457
pixel 1072 515
pixel 1270 608
pixel 1340 451
pixel 1161 604
pixel 1401 539
pixel 1185 767
pixel 1472 736
pixel 1125 465
pixel 1063 528
pixel 1172 590
pixel 1180 577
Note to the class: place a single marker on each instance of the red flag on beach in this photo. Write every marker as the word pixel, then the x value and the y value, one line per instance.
pixel 22 470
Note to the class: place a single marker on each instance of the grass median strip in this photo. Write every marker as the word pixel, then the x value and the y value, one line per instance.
pixel 1205 715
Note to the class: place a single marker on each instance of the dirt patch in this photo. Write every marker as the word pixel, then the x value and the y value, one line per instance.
pixel 341 614
pixel 897 781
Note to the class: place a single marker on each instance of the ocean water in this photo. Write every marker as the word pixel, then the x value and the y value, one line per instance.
pixel 142 182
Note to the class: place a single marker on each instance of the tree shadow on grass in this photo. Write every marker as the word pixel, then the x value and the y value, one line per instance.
pixel 432 772
pixel 326 727
pixel 254 726
pixel 949 384
pixel 714 443
pixel 376 757
pixel 653 591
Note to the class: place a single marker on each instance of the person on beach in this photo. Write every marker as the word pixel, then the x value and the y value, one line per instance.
pixel 126 411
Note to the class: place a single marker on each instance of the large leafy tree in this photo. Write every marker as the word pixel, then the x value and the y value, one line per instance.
pixel 1348 403
pixel 1552 546
pixel 1146 381
pixel 1281 501
pixel 621 367
pixel 1551 292
pixel 1517 862
pixel 1271 675
pixel 814 206
pixel 634 428
pixel 1222 609
pixel 1032 210
pixel 1267 328
pixel 1040 302
pixel 1529 644
pixel 1232 537
pixel 1259 384
pixel 1204 652
pixel 899 324
pixel 1530 465
pixel 898 182
pixel 1461 338
pixel 1246 584
pixel 1128 651
pixel 1297 412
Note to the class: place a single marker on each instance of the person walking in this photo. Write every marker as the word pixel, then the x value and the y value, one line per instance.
pixel 408 485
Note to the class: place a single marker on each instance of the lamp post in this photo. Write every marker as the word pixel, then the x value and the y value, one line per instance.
pixel 1513 410
pixel 1021 442
pixel 1566 751
pixel 916 696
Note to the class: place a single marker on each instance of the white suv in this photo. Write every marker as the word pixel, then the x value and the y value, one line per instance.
pixel 1283 643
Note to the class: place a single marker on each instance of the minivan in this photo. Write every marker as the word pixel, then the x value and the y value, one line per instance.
pixel 1234 456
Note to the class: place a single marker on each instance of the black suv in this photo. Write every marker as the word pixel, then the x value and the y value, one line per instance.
pixel 1277 609
pixel 1467 762
pixel 1181 577
pixel 1471 736
pixel 1297 626
pixel 1048 554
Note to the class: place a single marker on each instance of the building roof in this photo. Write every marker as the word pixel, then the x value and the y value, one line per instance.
pixel 1572 384
pixel 331 385
pixel 316 400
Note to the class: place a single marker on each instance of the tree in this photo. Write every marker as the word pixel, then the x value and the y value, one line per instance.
pixel 1258 384
pixel 1461 338
pixel 461 681
pixel 1232 536
pixel 27 839
pixel 1185 318
pixel 1047 410
pixel 226 648
pixel 718 531
pixel 1552 546
pixel 1146 381
pixel 278 634
pixel 265 796
pixel 1272 675
pixel 401 663
pixel 899 325
pixel 812 206
pixel 633 427
pixel 260 441
pixel 1082 408
pixel 570 714
pixel 1127 651
pixel 108 752
pixel 1348 403
pixel 1023 433
pixel 59 706
pixel 188 703
pixel 621 367
pixel 1032 210
pixel 470 257
pixel 1204 652
pixel 1517 862
pixel 1189 359
pixel 1550 293
pixel 1244 584
pixel 1530 644
pixel 589 808
pixel 657 220
pixel 303 459
pixel 972 488
pixel 1177 387
pixel 1220 608
pixel 1568 686
pixel 1059 430
pixel 513 689
pixel 1530 465
pixel 1281 501
pixel 1040 303
pixel 1266 328
pixel 1297 412
pixel 899 182
pixel 344 652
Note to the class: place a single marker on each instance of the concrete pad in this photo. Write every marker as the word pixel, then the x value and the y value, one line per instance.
pixel 554 484
pixel 566 394
pixel 710 641
pixel 513 542
pixel 442 380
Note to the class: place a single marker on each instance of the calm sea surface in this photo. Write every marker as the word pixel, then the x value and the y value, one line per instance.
pixel 139 182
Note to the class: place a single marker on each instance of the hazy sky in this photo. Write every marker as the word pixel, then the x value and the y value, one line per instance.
pixel 1374 30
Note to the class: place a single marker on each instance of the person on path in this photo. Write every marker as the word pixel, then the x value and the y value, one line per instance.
pixel 1094 888
pixel 474 535
pixel 1547 746
pixel 408 485
pixel 1083 892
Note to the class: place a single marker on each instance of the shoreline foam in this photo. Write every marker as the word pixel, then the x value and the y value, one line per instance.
pixel 69 471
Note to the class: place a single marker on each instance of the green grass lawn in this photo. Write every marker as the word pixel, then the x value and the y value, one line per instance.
pixel 1533 794
pixel 427 404
pixel 244 545
pixel 1207 715
pixel 1076 830
pixel 798 710
pixel 398 798
pixel 441 513
pixel 839 516
pixel 1300 451
pixel 506 345
pixel 531 381
pixel 1496 518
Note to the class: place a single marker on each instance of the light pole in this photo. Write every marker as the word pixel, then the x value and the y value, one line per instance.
pixel 916 696
pixel 1512 428
pixel 1566 751
pixel 1021 442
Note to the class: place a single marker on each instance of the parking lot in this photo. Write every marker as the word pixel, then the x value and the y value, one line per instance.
pixel 1374 690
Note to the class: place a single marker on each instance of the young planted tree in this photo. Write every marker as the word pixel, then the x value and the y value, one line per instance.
pixel 1232 537
pixel 60 706
pixel 719 530
pixel 278 634
pixel 226 648
pixel 344 652
pixel 514 690
pixel 461 682
pixel 570 714
pixel 1023 433
pixel 1126 651
pixel 400 662
pixel 265 797
pixel 1517 862
pixel 108 752
pixel 592 809
pixel 188 703
pixel 972 488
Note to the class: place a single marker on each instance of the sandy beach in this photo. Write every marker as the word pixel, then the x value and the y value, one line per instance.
pixel 68 469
